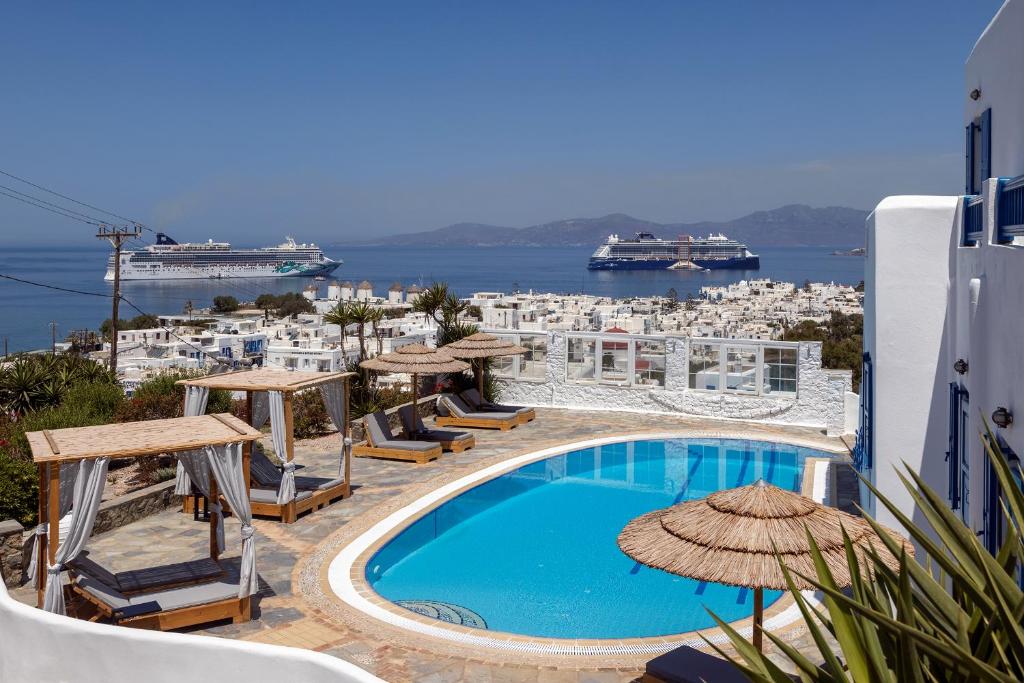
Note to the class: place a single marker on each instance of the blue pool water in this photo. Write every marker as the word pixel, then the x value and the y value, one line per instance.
pixel 533 552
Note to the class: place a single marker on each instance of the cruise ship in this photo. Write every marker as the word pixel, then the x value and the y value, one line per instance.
pixel 168 260
pixel 647 252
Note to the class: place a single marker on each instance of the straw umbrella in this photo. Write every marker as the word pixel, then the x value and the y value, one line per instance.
pixel 480 346
pixel 731 537
pixel 415 359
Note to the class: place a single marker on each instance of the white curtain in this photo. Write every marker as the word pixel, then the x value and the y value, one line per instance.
pixel 69 475
pixel 89 482
pixel 333 394
pixel 260 409
pixel 195 404
pixel 226 462
pixel 197 469
pixel 286 492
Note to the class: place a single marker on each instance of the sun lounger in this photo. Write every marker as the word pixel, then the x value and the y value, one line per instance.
pixel 142 580
pixel 476 402
pixel 381 443
pixel 688 665
pixel 452 411
pixel 165 608
pixel 413 428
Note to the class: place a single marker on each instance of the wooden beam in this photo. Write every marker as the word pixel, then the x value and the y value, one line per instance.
pixel 41 550
pixel 346 433
pixel 759 619
pixel 289 449
pixel 50 440
pixel 53 522
pixel 227 423
pixel 214 496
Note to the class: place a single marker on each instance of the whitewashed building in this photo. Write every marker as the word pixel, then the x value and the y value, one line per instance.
pixel 944 305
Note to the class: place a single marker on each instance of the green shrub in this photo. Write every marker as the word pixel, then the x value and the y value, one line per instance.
pixel 18 489
pixel 309 416
pixel 225 304
pixel 159 398
pixel 164 474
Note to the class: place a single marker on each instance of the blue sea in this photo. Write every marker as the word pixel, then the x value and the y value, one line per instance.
pixel 26 311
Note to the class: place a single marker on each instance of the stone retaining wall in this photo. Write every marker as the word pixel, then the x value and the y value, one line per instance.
pixel 11 554
pixel 122 510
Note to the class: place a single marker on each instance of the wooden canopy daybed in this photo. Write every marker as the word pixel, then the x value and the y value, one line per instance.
pixel 310 493
pixel 167 597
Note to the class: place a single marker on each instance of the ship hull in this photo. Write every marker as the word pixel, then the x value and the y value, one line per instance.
pixel 129 272
pixel 738 263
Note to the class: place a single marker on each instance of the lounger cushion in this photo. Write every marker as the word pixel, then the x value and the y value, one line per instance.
pixel 378 427
pixel 264 472
pixel 405 445
pixel 317 483
pixel 459 408
pixel 84 564
pixel 412 423
pixel 444 436
pixel 169 599
pixel 472 397
pixel 270 496
pixel 688 665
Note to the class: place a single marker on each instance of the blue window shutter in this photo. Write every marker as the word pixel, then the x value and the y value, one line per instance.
pixel 969 158
pixel 986 146
pixel 952 455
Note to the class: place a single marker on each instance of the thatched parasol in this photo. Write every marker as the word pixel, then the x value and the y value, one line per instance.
pixel 480 346
pixel 728 538
pixel 415 359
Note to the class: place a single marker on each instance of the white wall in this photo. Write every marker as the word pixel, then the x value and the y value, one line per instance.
pixel 905 309
pixel 41 647
pixel 996 68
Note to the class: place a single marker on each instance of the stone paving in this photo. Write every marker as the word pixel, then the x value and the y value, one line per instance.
pixel 286 613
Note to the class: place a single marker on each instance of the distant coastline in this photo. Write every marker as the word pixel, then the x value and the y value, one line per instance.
pixel 859 251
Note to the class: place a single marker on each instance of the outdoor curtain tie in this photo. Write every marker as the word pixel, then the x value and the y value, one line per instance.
pixel 346 450
pixel 54 570
pixel 33 562
pixel 286 493
pixel 247 531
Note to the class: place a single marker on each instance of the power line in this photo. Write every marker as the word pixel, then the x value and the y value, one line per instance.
pixel 59 289
pixel 46 208
pixel 56 206
pixel 62 196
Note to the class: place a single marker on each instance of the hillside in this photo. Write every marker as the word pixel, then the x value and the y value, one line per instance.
pixel 788 226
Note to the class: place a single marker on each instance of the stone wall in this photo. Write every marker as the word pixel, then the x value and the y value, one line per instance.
pixel 819 402
pixel 133 506
pixel 11 553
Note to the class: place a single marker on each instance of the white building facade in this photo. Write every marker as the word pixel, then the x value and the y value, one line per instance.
pixel 944 307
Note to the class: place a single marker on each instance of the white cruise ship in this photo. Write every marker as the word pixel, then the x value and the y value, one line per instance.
pixel 168 260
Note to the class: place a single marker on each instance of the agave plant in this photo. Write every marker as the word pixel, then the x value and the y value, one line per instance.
pixel 957 614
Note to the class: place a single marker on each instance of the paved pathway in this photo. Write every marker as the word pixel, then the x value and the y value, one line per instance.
pixel 285 613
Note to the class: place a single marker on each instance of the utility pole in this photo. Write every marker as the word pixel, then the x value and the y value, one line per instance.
pixel 117 236
pixel 53 338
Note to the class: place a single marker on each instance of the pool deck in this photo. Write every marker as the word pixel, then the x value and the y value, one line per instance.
pixel 295 607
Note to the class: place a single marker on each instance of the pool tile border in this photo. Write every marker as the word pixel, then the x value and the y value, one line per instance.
pixel 317 581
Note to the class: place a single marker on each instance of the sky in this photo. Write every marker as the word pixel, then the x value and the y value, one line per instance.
pixel 337 121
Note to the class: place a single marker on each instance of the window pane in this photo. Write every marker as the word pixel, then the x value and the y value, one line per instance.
pixel 650 363
pixel 614 360
pixel 502 366
pixel 741 368
pixel 534 362
pixel 581 358
pixel 780 370
pixel 704 366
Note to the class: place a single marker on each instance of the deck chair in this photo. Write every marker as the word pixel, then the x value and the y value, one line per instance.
pixel 381 443
pixel 151 578
pixel 476 402
pixel 163 607
pixel 266 475
pixel 413 428
pixel 311 493
pixel 452 411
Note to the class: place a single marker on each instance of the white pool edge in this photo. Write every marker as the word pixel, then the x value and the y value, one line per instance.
pixel 339 573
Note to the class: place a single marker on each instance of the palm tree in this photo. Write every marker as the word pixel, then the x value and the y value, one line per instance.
pixel 378 332
pixel 432 300
pixel 339 315
pixel 362 314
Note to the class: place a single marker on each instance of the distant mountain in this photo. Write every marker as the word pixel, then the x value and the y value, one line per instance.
pixel 794 225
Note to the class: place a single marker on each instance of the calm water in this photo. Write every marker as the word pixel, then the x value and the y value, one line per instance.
pixel 534 551
pixel 26 312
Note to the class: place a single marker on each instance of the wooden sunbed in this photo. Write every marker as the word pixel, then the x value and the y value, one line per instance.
pixel 381 443
pixel 476 402
pixel 452 411
pixel 164 608
pixel 413 428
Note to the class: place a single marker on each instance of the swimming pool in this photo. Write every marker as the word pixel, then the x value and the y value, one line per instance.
pixel 533 551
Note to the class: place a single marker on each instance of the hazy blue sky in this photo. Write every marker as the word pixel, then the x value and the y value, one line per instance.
pixel 246 121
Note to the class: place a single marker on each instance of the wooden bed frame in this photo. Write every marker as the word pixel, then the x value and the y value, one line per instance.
pixel 453 421
pixel 238 610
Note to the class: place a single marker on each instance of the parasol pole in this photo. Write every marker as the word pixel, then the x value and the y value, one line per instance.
pixel 758 618
pixel 481 380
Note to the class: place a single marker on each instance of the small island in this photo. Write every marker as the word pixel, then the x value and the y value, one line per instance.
pixel 859 251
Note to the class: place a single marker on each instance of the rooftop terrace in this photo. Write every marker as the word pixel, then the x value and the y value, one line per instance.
pixel 296 608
